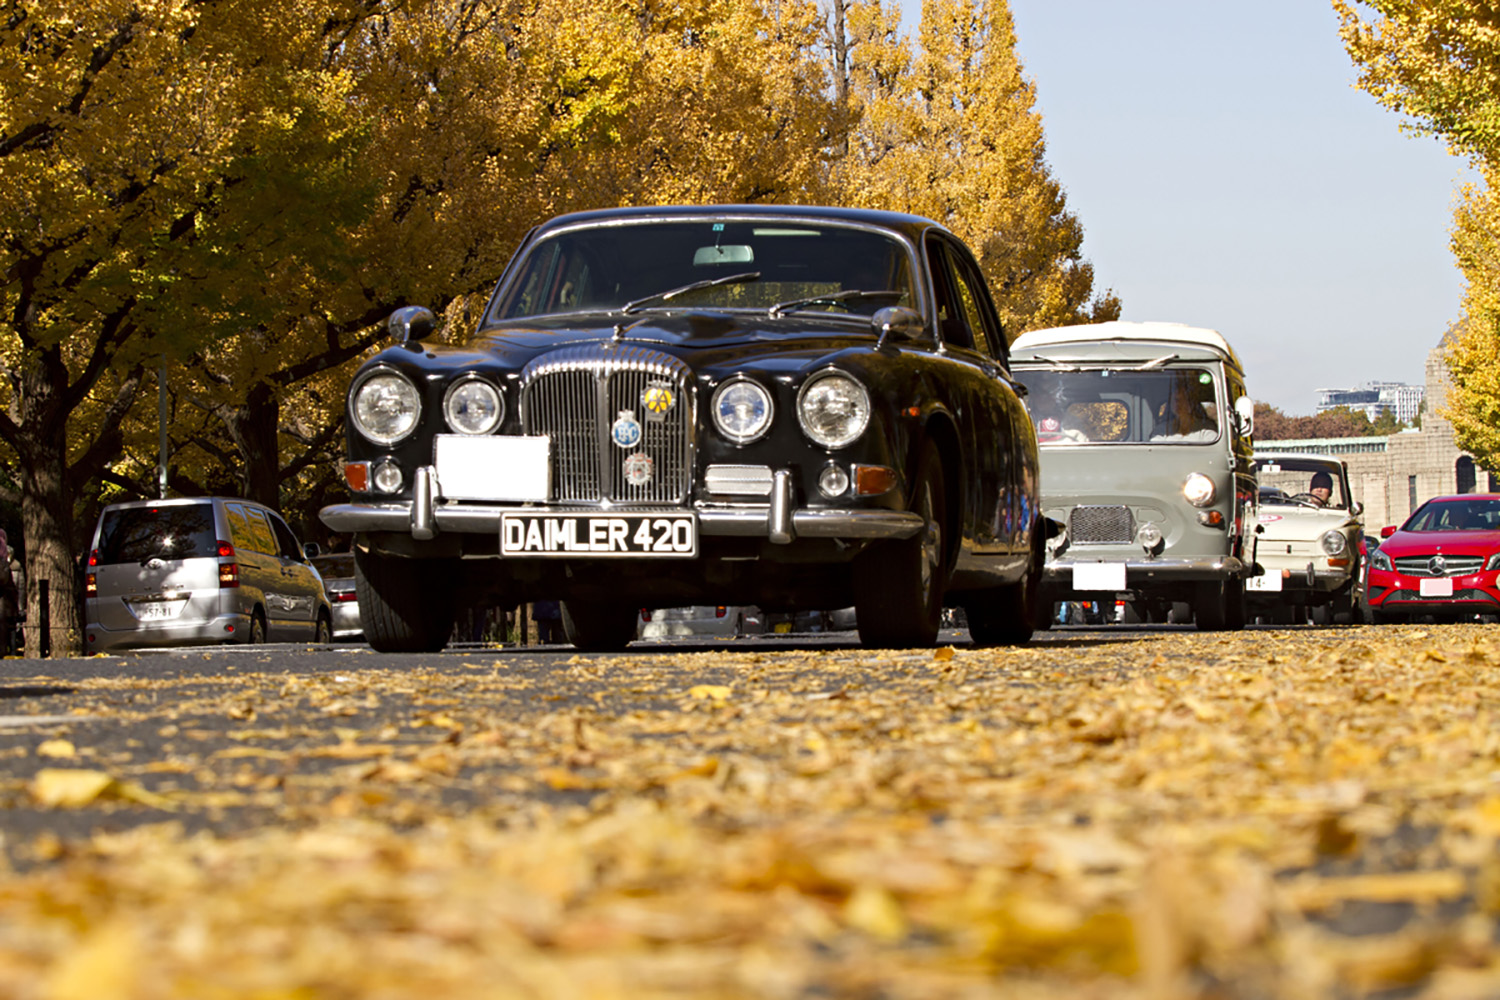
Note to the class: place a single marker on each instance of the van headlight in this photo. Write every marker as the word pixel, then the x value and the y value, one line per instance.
pixel 1334 542
pixel 473 406
pixel 1199 490
pixel 833 409
pixel 385 406
pixel 742 410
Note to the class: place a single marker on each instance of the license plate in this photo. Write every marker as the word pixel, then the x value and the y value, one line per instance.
pixel 656 535
pixel 1269 582
pixel 156 612
pixel 1099 576
pixel 1439 587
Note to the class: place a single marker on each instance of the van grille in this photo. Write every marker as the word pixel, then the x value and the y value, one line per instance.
pixel 1100 525
pixel 575 396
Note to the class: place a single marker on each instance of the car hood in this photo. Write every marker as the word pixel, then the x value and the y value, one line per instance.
pixel 698 329
pixel 1291 523
pixel 1451 542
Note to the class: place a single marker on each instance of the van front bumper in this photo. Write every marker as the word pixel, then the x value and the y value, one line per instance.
pixel 1058 574
pixel 222 629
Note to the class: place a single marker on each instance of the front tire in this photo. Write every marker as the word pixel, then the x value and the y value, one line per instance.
pixel 1009 615
pixel 898 585
pixel 598 628
pixel 404 604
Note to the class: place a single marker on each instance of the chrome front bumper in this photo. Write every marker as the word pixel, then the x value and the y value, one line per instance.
pixel 425 517
pixel 1142 572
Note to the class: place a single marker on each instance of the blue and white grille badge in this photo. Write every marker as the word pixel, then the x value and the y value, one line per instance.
pixel 626 430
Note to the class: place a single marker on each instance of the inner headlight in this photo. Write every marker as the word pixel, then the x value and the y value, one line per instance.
pixel 742 410
pixel 1333 542
pixel 473 406
pixel 1493 562
pixel 1199 490
pixel 386 407
pixel 833 409
pixel 1379 560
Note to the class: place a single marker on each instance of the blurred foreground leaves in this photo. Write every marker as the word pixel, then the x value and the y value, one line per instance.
pixel 1291 814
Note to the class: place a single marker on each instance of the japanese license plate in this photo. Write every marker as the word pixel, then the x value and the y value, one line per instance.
pixel 1269 581
pixel 646 535
pixel 1436 587
pixel 157 611
pixel 1103 576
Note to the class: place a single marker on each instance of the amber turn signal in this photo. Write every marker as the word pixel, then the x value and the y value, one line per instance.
pixel 873 480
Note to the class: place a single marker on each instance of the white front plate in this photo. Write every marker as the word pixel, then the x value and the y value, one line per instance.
pixel 1269 582
pixel 1099 576
pixel 1436 587
pixel 493 467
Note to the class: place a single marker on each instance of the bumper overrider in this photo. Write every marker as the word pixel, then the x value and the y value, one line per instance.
pixel 427 515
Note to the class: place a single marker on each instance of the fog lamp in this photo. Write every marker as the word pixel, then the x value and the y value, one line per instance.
pixel 387 476
pixel 1150 538
pixel 833 481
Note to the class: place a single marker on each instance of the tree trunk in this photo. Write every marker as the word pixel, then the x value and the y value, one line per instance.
pixel 255 428
pixel 47 507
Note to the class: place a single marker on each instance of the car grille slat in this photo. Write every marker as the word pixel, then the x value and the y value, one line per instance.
pixel 1100 525
pixel 1454 565
pixel 576 394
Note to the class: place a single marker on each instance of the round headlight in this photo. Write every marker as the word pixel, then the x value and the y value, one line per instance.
pixel 1333 542
pixel 473 406
pixel 386 407
pixel 833 409
pixel 742 410
pixel 1199 490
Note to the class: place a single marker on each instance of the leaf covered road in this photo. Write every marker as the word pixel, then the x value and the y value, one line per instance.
pixel 1137 814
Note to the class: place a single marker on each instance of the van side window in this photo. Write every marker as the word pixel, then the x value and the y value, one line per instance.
pixel 288 541
pixel 239 526
pixel 262 538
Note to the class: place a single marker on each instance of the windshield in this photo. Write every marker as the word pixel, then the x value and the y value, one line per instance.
pixel 1456 515
pixel 604 268
pixel 1122 405
pixel 1307 482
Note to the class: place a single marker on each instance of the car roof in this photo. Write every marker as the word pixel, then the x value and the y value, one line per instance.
pixel 1123 332
pixel 1465 496
pixel 912 225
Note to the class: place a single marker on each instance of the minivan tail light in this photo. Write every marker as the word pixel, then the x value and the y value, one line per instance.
pixel 720 611
pixel 229 575
pixel 94 558
pixel 91 585
pixel 226 551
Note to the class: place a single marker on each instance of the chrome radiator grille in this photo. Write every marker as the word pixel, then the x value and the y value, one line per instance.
pixel 1450 565
pixel 577 395
pixel 1100 525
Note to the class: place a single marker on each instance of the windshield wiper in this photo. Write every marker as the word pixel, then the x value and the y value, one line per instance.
pixel 832 298
pixel 1157 362
pixel 728 279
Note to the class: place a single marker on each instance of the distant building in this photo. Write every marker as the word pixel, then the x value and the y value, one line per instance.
pixel 1391 475
pixel 1375 398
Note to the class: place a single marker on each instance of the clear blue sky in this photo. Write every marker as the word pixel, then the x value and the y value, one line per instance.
pixel 1227 174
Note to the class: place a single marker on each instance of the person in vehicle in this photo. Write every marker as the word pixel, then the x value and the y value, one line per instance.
pixel 1053 424
pixel 1184 417
pixel 1320 488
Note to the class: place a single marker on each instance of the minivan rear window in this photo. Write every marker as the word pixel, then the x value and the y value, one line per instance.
pixel 135 534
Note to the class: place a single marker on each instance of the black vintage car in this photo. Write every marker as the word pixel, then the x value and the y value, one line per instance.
pixel 783 406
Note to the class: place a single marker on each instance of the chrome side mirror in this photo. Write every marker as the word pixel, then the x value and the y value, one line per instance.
pixel 1244 412
pixel 411 323
pixel 897 321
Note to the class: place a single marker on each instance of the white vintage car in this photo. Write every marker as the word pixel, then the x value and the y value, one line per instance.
pixel 1309 541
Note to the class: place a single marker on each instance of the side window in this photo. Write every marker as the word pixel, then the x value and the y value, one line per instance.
pixel 970 288
pixel 286 540
pixel 239 526
pixel 262 538
pixel 949 311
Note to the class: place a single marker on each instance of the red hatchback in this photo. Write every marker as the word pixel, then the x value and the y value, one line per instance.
pixel 1443 561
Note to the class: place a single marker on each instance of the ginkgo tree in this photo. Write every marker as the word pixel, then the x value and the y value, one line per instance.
pixel 1437 62
pixel 951 131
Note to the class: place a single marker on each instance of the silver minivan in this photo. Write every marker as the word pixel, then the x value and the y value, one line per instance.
pixel 1145 436
pixel 199 570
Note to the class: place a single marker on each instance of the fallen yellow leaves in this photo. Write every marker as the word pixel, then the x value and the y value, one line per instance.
pixel 65 788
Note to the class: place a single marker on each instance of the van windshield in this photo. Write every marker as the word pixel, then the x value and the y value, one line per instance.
pixel 179 531
pixel 1121 405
